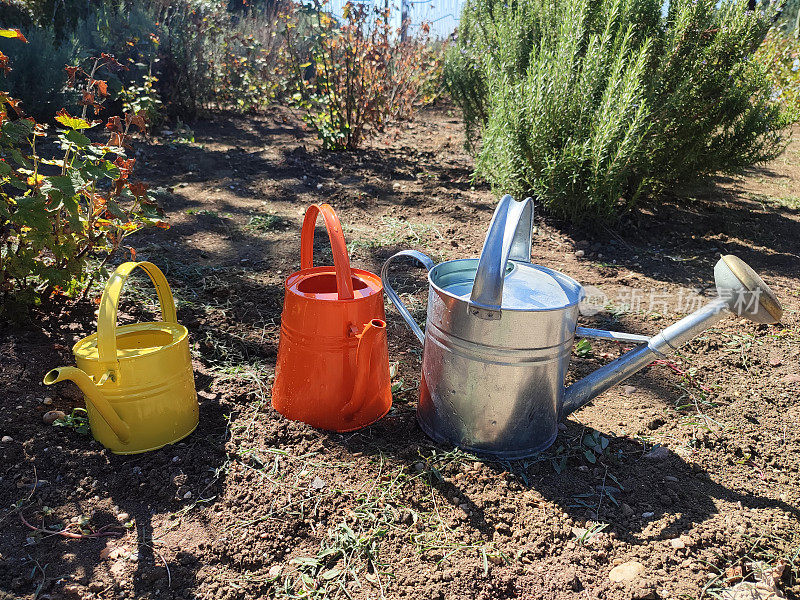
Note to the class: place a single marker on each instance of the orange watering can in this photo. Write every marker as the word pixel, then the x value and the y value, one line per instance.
pixel 333 359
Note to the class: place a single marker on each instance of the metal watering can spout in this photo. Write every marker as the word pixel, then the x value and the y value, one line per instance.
pixel 93 395
pixel 739 289
pixel 371 344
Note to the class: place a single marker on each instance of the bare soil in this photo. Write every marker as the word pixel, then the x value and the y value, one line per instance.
pixel 252 505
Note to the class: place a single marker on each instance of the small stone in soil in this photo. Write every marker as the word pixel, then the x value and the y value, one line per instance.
pixel 648 515
pixel 677 544
pixel 7 439
pixel 629 389
pixel 52 415
pixel 657 453
pixel 627 571
pixel 123 517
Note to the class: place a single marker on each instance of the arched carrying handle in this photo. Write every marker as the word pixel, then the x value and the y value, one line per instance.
pixel 428 264
pixel 341 262
pixel 509 236
pixel 107 319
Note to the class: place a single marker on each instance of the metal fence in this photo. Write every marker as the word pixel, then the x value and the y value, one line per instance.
pixel 441 15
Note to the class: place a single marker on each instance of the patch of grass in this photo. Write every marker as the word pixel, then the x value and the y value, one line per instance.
pixel 265 223
pixel 209 213
pixel 767 201
pixel 391 231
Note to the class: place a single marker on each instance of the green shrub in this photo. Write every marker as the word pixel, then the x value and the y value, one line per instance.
pixel 76 202
pixel 594 105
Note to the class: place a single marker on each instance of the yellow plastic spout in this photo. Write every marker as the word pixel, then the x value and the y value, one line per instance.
pixel 367 345
pixel 93 395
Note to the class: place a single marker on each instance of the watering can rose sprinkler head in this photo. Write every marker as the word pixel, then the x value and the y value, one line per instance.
pixel 739 290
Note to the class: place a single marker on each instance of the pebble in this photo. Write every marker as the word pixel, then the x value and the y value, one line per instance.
pixel 419 467
pixel 7 439
pixel 275 571
pixel 648 515
pixel 47 401
pixel 677 544
pixel 580 253
pixel 53 415
pixel 317 483
pixel 123 517
pixel 629 389
pixel 134 557
pixel 671 479
pixel 627 511
pixel 627 571
pixel 657 453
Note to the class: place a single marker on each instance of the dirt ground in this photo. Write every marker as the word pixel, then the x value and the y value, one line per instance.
pixel 252 505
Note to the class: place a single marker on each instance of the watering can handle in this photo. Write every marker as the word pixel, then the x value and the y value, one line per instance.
pixel 341 262
pixel 107 319
pixel 428 264
pixel 509 236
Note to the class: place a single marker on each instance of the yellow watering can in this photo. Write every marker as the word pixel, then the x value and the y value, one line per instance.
pixel 137 379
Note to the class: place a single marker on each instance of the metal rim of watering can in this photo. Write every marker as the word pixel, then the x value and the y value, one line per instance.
pixel 577 291
pixel 341 260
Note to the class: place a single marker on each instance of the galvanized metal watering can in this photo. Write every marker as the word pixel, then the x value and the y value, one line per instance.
pixel 499 335
pixel 137 379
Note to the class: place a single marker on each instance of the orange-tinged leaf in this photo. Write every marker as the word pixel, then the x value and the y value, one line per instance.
pixel 101 86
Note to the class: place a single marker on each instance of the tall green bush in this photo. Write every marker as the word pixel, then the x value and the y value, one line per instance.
pixel 593 105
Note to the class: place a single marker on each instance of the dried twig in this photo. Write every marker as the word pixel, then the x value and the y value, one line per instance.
pixel 102 532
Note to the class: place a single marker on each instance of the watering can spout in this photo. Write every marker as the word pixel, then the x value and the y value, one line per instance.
pixel 93 395
pixel 370 344
pixel 739 290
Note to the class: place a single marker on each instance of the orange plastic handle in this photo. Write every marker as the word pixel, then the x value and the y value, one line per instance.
pixel 341 262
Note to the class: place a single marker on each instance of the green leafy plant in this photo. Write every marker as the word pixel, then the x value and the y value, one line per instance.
pixel 596 105
pixel 780 55
pixel 583 348
pixel 77 420
pixel 596 445
pixel 351 78
pixel 142 98
pixel 56 212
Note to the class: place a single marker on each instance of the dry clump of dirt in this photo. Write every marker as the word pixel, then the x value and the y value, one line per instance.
pixel 671 486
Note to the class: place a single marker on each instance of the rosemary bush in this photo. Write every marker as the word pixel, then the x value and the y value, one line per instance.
pixel 594 105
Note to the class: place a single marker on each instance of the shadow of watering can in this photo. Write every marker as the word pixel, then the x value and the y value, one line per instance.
pixel 333 359
pixel 137 379
pixel 499 336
